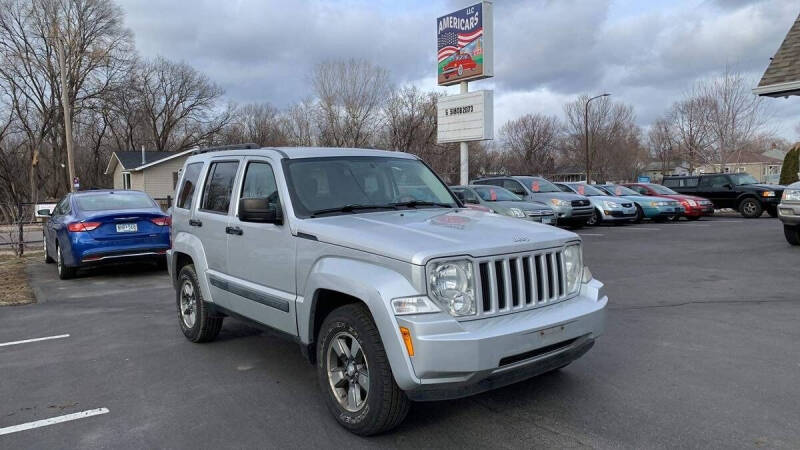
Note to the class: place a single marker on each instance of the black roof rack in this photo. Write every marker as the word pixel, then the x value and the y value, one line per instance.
pixel 226 147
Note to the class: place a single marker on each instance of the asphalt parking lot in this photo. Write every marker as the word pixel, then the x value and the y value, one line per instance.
pixel 702 349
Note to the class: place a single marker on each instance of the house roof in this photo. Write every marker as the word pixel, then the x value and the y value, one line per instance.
pixel 744 157
pixel 132 161
pixel 782 77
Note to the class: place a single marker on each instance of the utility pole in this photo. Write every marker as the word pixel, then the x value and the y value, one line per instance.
pixel 67 114
pixel 586 134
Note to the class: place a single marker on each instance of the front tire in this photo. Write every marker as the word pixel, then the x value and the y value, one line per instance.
pixel 64 272
pixel 639 215
pixel 195 319
pixel 792 234
pixel 354 373
pixel 750 208
pixel 595 219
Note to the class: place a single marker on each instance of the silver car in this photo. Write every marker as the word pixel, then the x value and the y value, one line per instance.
pixel 505 202
pixel 571 209
pixel 607 208
pixel 392 289
pixel 789 213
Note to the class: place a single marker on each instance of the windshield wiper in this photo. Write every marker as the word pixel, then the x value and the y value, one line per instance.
pixel 348 208
pixel 416 203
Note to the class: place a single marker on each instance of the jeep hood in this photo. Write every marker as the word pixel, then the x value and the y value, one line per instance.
pixel 416 236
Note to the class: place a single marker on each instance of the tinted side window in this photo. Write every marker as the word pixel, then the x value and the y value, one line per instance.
pixel 469 197
pixel 716 181
pixel 219 186
pixel 514 187
pixel 672 183
pixel 259 182
pixel 190 176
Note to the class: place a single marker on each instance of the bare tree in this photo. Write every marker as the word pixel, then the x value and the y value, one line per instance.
pixel 260 123
pixel 736 115
pixel 661 140
pixel 350 95
pixel 411 120
pixel 690 119
pixel 299 126
pixel 532 142
pixel 180 104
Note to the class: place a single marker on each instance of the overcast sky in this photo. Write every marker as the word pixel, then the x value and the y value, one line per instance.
pixel 645 52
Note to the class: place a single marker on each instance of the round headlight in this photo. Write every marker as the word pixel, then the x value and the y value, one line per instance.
pixel 452 285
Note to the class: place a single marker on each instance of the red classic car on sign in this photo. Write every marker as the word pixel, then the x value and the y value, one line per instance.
pixel 458 65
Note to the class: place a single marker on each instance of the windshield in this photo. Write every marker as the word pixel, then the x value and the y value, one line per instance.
pixel 115 200
pixel 496 194
pixel 358 183
pixel 585 189
pixel 740 179
pixel 540 185
pixel 662 189
pixel 619 190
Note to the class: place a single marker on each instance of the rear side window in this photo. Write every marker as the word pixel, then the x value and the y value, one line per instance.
pixel 190 176
pixel 219 186
pixel 514 187
pixel 116 200
pixel 671 183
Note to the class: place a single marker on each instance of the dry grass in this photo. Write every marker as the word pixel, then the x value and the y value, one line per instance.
pixel 14 289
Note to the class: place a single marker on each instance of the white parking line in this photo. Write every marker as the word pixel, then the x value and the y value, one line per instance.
pixel 46 338
pixel 643 228
pixel 53 421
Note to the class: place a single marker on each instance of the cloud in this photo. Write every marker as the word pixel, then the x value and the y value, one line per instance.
pixel 547 51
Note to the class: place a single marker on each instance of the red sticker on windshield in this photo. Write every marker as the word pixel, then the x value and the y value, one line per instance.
pixel 492 194
pixel 581 189
pixel 535 186
pixel 618 190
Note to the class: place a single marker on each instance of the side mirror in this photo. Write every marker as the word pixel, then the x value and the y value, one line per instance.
pixel 44 212
pixel 260 210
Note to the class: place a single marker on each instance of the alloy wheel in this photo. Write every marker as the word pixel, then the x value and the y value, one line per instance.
pixel 348 372
pixel 188 304
pixel 749 208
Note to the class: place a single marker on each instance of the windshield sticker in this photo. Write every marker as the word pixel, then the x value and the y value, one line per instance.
pixel 581 189
pixel 618 190
pixel 492 194
pixel 535 186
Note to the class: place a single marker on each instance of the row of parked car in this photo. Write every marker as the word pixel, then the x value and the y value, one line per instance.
pixel 579 204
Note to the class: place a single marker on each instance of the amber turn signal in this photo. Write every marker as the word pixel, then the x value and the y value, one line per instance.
pixel 407 340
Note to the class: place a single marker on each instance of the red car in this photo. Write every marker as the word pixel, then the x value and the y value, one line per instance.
pixel 458 64
pixel 693 207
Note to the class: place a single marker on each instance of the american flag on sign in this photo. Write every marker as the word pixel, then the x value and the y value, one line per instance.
pixel 451 42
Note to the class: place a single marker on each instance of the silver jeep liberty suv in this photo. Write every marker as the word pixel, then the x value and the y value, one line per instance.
pixel 392 289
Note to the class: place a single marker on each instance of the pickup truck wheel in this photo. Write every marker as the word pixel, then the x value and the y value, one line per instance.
pixel 354 373
pixel 750 208
pixel 792 234
pixel 196 321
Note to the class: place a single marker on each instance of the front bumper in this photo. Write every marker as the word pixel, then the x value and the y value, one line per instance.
pixel 454 359
pixel 699 211
pixel 618 214
pixel 789 213
pixel 570 214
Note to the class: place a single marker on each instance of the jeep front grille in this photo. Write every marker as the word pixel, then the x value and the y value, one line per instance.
pixel 519 282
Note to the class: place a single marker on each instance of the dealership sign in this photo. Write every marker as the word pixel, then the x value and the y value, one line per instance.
pixel 465 45
pixel 465 117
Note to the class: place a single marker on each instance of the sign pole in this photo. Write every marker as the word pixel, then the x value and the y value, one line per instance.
pixel 464 178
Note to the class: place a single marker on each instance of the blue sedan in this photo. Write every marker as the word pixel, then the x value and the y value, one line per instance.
pixel 92 227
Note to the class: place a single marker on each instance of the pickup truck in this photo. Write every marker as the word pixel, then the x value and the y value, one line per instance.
pixel 390 287
pixel 739 191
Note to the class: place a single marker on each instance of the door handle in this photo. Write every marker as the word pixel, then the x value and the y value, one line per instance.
pixel 234 230
pixel 195 223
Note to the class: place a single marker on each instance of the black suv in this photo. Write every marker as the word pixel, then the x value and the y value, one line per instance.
pixel 740 191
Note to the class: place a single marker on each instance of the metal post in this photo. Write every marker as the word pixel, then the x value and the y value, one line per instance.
pixel 21 241
pixel 67 114
pixel 586 139
pixel 464 178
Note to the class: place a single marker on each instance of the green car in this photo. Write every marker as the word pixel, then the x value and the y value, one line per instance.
pixel 504 202
pixel 655 208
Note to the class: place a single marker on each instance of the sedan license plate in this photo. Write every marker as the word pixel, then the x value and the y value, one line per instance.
pixel 547 220
pixel 127 228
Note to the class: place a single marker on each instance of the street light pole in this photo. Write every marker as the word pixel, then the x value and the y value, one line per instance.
pixel 586 133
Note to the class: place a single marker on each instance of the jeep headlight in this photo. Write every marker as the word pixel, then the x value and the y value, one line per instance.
pixel 452 286
pixel 516 212
pixel 610 205
pixel 573 260
pixel 558 202
pixel 792 195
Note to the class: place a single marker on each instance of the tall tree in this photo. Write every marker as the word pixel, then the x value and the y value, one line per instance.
pixel 531 142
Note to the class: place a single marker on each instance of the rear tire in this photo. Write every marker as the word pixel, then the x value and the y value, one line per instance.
pixel 792 233
pixel 750 208
pixel 196 320
pixel 64 272
pixel 382 405
pixel 47 258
